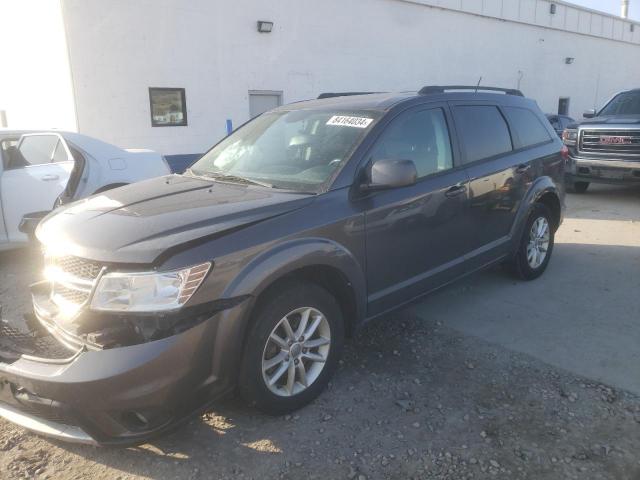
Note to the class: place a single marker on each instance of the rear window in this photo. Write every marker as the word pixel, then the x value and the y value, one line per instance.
pixel 483 131
pixel 528 129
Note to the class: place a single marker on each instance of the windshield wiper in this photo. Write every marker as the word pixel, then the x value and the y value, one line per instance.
pixel 226 177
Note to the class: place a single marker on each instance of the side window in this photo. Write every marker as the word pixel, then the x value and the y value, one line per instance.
pixel 528 129
pixel 555 122
pixel 38 149
pixel 419 136
pixel 7 151
pixel 60 154
pixel 483 131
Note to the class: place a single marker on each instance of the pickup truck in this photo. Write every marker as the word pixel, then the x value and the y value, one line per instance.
pixel 605 147
pixel 43 170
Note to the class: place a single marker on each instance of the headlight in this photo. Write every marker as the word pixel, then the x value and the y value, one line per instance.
pixel 570 136
pixel 147 291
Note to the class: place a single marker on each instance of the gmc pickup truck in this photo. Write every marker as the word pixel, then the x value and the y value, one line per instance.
pixel 605 147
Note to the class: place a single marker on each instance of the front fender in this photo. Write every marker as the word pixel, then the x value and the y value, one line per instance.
pixel 293 255
pixel 260 273
pixel 540 187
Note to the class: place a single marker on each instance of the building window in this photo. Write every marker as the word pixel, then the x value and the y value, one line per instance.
pixel 563 106
pixel 168 107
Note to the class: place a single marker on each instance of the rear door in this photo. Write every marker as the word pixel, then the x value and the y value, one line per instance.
pixel 497 145
pixel 495 176
pixel 34 179
pixel 415 234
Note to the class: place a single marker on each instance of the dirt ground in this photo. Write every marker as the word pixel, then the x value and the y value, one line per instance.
pixel 415 397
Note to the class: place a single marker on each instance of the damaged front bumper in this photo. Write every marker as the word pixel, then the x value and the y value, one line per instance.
pixel 54 383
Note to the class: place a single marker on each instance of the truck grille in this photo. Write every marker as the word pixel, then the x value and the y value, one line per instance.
pixel 621 142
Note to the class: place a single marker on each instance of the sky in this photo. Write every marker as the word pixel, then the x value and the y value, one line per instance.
pixel 611 6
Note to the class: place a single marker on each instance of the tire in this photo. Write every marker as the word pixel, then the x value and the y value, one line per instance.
pixel 578 187
pixel 291 301
pixel 524 265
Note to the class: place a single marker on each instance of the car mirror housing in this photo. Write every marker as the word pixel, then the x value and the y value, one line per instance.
pixel 391 173
pixel 589 113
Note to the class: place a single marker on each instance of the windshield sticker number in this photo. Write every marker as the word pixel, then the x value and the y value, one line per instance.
pixel 357 122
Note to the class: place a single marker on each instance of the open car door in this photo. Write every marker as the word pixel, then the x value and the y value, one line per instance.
pixel 35 175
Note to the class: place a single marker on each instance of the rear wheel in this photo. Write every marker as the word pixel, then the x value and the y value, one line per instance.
pixel 578 187
pixel 536 244
pixel 292 349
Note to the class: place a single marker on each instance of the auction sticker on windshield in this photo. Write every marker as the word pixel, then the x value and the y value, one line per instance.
pixel 357 122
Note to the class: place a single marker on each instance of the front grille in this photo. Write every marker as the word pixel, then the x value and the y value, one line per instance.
pixel 70 295
pixel 17 343
pixel 620 142
pixel 72 280
pixel 77 267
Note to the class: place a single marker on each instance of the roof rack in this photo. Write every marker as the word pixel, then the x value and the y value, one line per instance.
pixel 342 94
pixel 429 90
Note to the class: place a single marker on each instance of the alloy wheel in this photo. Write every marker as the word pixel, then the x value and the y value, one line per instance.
pixel 538 245
pixel 296 351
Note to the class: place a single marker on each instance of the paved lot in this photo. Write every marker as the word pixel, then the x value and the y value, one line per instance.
pixel 584 314
pixel 488 378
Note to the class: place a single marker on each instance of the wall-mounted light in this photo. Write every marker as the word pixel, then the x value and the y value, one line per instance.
pixel 552 9
pixel 265 27
pixel 569 60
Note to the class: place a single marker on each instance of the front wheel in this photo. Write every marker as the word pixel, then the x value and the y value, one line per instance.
pixel 292 349
pixel 536 245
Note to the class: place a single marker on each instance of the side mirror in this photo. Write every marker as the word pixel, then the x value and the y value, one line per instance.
pixel 391 173
pixel 589 113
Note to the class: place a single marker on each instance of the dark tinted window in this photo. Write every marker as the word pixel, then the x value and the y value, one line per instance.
pixel 483 131
pixel 419 136
pixel 624 104
pixel 526 126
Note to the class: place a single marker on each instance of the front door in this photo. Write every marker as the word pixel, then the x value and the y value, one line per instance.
pixel 415 234
pixel 33 179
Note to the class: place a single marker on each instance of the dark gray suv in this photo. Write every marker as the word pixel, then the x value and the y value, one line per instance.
pixel 249 270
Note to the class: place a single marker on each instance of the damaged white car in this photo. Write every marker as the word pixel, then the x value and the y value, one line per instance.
pixel 42 170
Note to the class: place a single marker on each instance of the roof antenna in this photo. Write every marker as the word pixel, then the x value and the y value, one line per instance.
pixel 478 85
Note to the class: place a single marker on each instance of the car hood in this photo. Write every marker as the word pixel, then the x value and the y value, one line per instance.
pixel 623 120
pixel 138 222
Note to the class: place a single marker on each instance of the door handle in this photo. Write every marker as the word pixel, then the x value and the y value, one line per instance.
pixel 523 169
pixel 455 191
pixel 49 178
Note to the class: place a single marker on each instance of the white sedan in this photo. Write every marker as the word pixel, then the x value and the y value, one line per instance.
pixel 41 170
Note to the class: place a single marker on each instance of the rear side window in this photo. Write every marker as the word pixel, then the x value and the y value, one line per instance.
pixel 38 149
pixel 483 131
pixel 528 129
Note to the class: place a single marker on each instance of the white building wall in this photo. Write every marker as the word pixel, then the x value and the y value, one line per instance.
pixel 35 80
pixel 211 48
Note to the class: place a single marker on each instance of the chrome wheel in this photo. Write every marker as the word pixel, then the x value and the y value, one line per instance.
pixel 296 351
pixel 539 237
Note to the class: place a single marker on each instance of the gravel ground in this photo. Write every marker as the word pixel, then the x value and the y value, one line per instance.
pixel 412 399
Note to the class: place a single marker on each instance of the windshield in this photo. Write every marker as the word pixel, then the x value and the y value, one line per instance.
pixel 296 150
pixel 623 104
